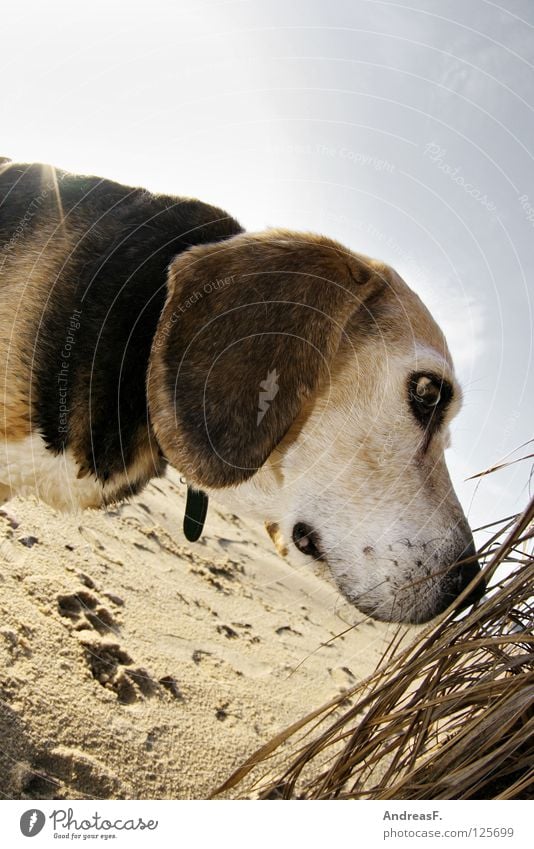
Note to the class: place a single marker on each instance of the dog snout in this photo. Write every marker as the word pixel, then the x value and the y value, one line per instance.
pixel 460 576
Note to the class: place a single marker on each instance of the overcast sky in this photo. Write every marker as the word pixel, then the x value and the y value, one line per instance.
pixel 403 129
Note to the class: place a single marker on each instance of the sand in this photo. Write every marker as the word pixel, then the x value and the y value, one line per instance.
pixel 136 665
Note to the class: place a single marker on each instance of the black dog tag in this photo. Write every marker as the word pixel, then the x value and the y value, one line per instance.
pixel 196 508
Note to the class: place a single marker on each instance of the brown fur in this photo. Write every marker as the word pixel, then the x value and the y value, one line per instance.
pixel 283 308
pixel 26 277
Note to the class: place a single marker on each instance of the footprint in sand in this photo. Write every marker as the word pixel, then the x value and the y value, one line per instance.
pixel 109 663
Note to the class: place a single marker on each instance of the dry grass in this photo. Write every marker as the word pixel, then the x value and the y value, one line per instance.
pixel 450 717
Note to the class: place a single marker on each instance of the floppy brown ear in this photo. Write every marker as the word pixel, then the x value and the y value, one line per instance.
pixel 247 334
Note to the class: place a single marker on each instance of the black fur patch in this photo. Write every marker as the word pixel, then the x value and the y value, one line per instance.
pixel 96 329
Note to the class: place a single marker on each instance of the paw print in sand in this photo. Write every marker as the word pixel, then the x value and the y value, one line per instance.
pixel 109 663
pixel 85 611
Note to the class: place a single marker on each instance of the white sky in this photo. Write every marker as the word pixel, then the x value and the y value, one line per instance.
pixel 318 115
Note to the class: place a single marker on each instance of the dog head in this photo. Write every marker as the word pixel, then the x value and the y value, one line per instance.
pixel 309 386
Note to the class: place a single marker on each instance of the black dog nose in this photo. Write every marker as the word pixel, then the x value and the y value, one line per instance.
pixel 462 574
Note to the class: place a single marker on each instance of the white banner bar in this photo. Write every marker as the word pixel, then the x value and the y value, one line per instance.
pixel 277 825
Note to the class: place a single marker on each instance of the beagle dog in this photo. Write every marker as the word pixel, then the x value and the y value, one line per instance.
pixel 285 375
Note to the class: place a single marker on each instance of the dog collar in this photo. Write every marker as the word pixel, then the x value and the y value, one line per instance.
pixel 196 507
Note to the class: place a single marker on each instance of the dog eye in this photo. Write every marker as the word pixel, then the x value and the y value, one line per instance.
pixel 427 392
pixel 306 540
pixel 428 396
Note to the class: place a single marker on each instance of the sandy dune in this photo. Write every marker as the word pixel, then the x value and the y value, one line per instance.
pixel 135 665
